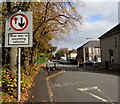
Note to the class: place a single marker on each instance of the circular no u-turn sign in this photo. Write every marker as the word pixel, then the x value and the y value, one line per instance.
pixel 19 22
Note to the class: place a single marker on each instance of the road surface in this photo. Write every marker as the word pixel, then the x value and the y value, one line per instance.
pixel 79 85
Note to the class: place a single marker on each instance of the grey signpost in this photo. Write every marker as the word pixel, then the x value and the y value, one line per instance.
pixel 18 34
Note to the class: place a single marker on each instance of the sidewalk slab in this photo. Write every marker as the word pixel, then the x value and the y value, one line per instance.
pixel 40 92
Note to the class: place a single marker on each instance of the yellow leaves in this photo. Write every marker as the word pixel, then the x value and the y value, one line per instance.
pixel 15 80
pixel 74 8
pixel 12 86
pixel 51 94
pixel 43 100
pixel 6 98
pixel 15 85
pixel 50 21
pixel 0 83
pixel 33 96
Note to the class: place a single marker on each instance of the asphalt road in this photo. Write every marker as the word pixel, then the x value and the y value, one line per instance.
pixel 80 85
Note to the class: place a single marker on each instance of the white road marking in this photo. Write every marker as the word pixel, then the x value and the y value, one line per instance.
pixel 92 88
pixel 70 83
pixel 76 82
pixel 88 88
pixel 100 98
pixel 56 85
pixel 105 95
pixel 65 84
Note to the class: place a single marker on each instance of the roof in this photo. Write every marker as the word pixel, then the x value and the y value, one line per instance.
pixel 93 43
pixel 111 31
pixel 73 51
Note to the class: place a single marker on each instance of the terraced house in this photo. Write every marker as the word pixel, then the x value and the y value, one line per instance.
pixel 110 48
pixel 71 56
pixel 89 51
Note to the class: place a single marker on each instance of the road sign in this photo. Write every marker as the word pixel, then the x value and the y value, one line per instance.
pixel 15 39
pixel 18 29
pixel 19 22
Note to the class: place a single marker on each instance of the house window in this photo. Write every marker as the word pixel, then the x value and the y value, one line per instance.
pixel 111 55
pixel 90 58
pixel 90 50
pixel 86 50
pixel 98 50
pixel 112 59
pixel 99 59
pixel 115 41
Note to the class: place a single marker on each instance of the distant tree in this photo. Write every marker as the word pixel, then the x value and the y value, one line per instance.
pixel 61 53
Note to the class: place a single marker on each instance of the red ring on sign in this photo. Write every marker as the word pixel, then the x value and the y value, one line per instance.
pixel 24 26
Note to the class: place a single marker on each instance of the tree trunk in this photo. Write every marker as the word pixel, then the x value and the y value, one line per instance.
pixel 13 60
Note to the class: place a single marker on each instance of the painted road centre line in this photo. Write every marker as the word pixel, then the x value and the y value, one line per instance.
pixel 95 96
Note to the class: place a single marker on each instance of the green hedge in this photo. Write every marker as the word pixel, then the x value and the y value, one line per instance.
pixel 41 60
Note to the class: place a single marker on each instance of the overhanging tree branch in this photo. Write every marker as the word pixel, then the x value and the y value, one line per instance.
pixel 51 19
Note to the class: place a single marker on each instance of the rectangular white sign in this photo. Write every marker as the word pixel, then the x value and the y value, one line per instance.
pixel 14 39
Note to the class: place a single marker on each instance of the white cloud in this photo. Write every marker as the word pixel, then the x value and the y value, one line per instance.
pixel 109 18
pixel 108 10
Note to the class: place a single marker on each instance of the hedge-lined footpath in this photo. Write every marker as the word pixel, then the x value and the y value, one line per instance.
pixel 9 83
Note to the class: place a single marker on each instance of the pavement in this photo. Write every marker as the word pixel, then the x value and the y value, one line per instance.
pixel 40 91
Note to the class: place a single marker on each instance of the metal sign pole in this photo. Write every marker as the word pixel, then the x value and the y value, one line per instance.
pixel 19 74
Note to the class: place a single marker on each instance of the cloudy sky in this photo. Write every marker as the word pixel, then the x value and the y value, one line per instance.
pixel 98 18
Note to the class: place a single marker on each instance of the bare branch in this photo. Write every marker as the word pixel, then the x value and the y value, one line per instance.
pixel 51 19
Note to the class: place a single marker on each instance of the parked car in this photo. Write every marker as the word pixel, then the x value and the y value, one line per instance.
pixel 73 62
pixel 62 61
pixel 86 63
pixel 48 61
pixel 54 60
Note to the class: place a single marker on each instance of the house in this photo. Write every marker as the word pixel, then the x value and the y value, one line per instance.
pixel 110 48
pixel 89 51
pixel 71 56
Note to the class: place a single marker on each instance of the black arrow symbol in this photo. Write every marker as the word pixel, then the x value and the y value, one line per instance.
pixel 21 24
